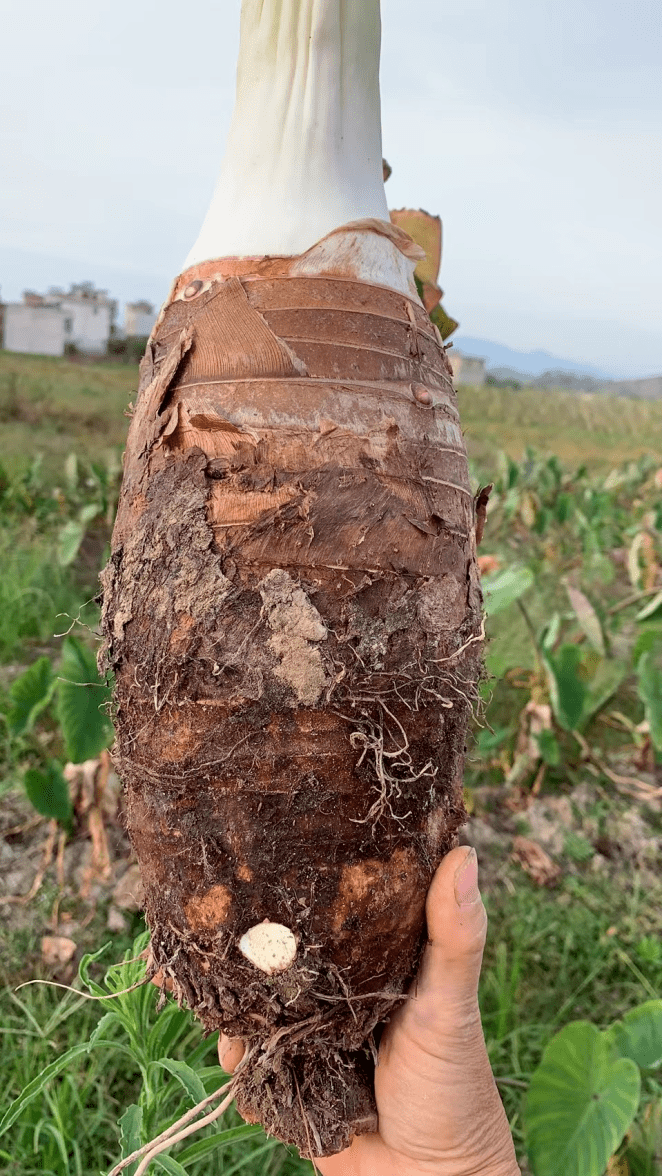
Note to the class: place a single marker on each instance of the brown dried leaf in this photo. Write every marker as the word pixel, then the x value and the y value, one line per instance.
pixel 587 617
pixel 426 232
pixel 481 500
pixel 57 949
pixel 535 862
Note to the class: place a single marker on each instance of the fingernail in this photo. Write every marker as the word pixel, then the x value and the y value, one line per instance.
pixel 466 881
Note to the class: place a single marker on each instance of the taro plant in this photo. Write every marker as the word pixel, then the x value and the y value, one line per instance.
pixel 69 701
pixel 588 1090
pixel 573 594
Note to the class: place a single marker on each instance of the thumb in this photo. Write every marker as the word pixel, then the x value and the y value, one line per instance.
pixel 457 927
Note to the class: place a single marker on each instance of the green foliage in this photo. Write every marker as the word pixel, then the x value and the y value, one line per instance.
pixel 585 1093
pixel 563 621
pixel 549 749
pixel 567 691
pixel 639 1035
pixel 443 321
pixel 81 699
pixel 48 791
pixel 578 848
pixel 167 1085
pixel 504 588
pixel 580 1103
pixel 29 695
pixel 649 686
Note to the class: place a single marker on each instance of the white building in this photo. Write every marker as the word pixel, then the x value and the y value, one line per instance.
pixel 139 318
pixel 44 323
pixel 37 330
pixel 89 315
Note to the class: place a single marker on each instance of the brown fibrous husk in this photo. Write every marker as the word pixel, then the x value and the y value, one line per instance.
pixel 292 614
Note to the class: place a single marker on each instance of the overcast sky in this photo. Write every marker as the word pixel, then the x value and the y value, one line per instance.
pixel 534 127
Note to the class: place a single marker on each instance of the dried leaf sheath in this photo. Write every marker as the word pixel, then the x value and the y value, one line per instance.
pixel 292 613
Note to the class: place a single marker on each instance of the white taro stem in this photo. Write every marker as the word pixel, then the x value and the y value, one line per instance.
pixel 304 151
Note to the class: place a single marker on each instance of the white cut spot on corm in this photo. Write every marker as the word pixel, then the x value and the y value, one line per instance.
pixel 271 947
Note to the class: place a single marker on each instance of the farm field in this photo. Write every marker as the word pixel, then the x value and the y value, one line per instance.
pixel 563 783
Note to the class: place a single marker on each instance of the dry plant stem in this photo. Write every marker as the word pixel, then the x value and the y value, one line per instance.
pixel 173 1129
pixel 630 785
pixel 636 596
pixel 86 995
pixel 210 1118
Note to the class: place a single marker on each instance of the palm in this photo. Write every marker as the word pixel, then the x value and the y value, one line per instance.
pixel 439 1109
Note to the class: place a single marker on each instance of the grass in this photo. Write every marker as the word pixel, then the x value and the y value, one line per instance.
pixel 589 949
pixel 552 957
pixel 53 406
pixel 34 589
pixel 580 952
pixel 598 430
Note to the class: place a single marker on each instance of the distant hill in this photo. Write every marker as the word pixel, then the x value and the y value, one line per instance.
pixel 524 363
pixel 539 369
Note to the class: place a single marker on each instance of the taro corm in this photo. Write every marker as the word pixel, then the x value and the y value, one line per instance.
pixel 292 609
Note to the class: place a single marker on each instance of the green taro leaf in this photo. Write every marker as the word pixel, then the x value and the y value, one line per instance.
pixel 69 541
pixel 639 1035
pixel 48 792
pixel 548 747
pixel 566 689
pixel 580 1103
pixel 505 587
pixel 649 686
pixel 131 1134
pixel 29 695
pixel 650 637
pixel 81 695
pixel 602 684
pixel 72 534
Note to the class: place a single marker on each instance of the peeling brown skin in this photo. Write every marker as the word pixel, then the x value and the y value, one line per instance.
pixel 292 613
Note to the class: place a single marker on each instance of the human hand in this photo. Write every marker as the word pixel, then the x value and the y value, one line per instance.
pixel 439 1109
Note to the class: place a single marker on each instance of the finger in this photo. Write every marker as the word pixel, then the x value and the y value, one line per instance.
pixel 457 927
pixel 446 988
pixel 230 1052
pixel 162 982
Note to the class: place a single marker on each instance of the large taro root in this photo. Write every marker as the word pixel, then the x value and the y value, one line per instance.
pixel 293 617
